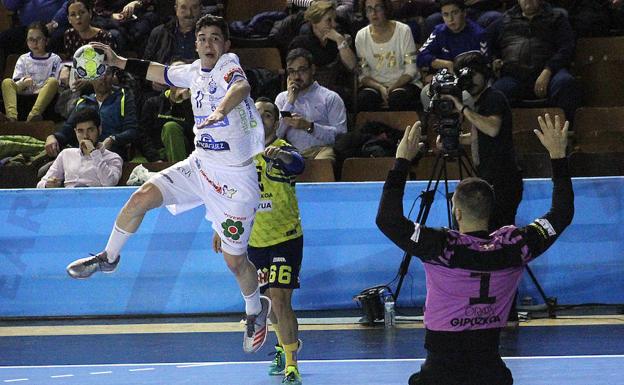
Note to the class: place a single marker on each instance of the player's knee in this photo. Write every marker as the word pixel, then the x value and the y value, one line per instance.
pixel 145 198
pixel 280 299
pixel 236 263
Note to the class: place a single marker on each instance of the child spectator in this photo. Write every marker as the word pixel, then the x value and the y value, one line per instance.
pixel 36 73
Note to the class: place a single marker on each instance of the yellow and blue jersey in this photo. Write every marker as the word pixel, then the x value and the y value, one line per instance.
pixel 277 218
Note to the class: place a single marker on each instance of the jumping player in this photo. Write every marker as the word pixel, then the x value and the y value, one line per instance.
pixel 219 173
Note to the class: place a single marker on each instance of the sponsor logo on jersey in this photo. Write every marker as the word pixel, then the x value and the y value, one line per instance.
pixel 265 206
pixel 202 118
pixel 199 97
pixel 212 86
pixel 279 260
pixel 263 276
pixel 184 171
pixel 232 229
pixel 207 142
pixel 233 73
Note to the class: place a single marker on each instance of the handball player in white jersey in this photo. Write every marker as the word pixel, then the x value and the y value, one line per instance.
pixel 219 173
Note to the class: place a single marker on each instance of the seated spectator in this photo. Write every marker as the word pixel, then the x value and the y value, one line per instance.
pixel 129 22
pixel 455 36
pixel 312 115
pixel 167 124
pixel 344 8
pixel 117 113
pixel 332 53
pixel 35 73
pixel 387 54
pixel 533 44
pixel 483 12
pixel 175 38
pixel 89 165
pixel 51 12
pixel 79 13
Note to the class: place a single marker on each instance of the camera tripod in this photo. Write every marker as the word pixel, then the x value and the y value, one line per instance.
pixel 439 172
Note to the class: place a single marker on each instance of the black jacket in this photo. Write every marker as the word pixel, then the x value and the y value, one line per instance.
pixel 528 46
pixel 157 111
pixel 161 43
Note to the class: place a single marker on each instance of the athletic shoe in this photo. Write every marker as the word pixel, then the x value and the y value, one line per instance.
pixel 85 267
pixel 257 328
pixel 278 365
pixel 292 376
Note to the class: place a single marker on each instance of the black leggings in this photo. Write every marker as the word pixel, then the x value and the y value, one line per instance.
pixel 405 98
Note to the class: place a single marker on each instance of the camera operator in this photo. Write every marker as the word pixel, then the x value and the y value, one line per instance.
pixel 472 274
pixel 490 138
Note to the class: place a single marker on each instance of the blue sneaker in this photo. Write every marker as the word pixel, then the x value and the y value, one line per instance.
pixel 278 365
pixel 85 267
pixel 292 376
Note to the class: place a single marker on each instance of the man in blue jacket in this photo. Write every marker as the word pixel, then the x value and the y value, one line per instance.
pixel 117 112
pixel 456 36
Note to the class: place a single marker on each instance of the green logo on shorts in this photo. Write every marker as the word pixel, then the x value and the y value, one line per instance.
pixel 232 229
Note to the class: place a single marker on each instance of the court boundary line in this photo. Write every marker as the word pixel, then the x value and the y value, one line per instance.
pixel 199 364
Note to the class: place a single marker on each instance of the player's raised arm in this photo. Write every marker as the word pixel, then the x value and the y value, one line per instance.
pixel 144 69
pixel 554 136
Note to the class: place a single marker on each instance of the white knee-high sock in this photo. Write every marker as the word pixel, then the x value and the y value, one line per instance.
pixel 116 242
pixel 252 302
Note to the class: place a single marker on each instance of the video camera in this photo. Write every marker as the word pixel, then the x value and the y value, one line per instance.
pixel 448 124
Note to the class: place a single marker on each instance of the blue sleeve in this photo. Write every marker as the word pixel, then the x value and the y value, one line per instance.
pixel 129 128
pixel 484 44
pixel 297 165
pixel 492 34
pixel 61 15
pixel 429 51
pixel 13 5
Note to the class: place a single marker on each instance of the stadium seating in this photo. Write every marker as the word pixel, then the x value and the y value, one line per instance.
pixel 317 170
pixel 366 169
pixel 598 63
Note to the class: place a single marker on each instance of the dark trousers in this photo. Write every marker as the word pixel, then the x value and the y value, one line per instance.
pixel 563 91
pixel 466 368
pixel 405 98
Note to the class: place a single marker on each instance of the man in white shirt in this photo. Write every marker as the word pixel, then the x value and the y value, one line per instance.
pixel 219 173
pixel 90 165
pixel 312 115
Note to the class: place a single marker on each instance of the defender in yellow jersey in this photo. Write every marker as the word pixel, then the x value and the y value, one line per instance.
pixel 276 241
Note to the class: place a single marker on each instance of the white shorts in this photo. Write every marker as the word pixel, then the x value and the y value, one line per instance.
pixel 230 195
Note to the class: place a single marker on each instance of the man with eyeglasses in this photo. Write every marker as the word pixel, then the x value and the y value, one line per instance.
pixel 311 115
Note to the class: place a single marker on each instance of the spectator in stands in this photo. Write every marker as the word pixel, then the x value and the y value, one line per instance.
pixel 312 115
pixel 79 13
pixel 455 36
pixel 51 12
pixel 129 21
pixel 91 164
pixel 167 124
pixel 175 38
pixel 331 50
pixel 533 44
pixel 344 8
pixel 117 113
pixel 483 12
pixel 387 54
pixel 35 73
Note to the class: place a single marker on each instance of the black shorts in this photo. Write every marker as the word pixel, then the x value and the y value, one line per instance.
pixel 278 265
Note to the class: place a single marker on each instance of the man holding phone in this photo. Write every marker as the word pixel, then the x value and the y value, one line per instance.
pixel 311 115
pixel 89 165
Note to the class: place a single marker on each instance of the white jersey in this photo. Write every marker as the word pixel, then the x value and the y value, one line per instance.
pixel 37 68
pixel 240 135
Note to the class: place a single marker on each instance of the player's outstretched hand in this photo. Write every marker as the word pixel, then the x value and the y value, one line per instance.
pixel 215 117
pixel 553 135
pixel 410 143
pixel 110 57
